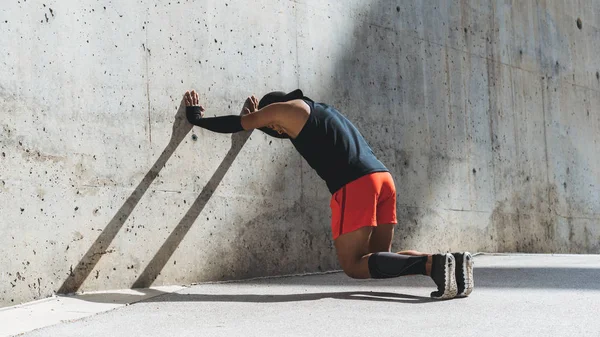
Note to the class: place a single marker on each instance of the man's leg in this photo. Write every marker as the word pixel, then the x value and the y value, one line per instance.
pixel 381 241
pixel 357 208
pixel 381 238
pixel 357 262
pixel 353 252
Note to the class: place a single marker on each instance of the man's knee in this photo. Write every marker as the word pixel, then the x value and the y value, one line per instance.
pixel 352 249
pixel 355 269
pixel 355 274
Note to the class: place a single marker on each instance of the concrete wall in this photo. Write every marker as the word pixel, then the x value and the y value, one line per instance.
pixel 486 112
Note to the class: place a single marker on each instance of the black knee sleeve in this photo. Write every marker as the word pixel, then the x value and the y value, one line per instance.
pixel 387 265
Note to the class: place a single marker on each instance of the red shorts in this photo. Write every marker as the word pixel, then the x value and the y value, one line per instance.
pixel 368 201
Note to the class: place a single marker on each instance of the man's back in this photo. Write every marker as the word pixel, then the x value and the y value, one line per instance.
pixel 334 147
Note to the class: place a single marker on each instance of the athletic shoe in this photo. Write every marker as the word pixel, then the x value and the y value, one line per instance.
pixel 442 273
pixel 464 273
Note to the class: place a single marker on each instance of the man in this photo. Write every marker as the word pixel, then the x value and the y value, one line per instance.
pixel 363 202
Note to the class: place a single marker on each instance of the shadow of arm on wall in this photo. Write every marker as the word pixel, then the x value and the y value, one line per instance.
pixel 79 274
pixel 149 275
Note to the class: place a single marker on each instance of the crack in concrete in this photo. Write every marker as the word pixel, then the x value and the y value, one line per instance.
pixel 147 54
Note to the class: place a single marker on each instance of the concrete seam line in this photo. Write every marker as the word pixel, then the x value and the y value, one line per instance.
pixel 27 304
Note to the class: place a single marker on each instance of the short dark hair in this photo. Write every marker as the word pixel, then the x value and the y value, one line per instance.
pixel 279 97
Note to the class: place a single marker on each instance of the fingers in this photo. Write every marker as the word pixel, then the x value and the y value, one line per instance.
pixel 188 99
pixel 254 102
pixel 192 98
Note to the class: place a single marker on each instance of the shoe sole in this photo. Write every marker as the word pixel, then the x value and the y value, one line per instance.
pixel 467 269
pixel 451 288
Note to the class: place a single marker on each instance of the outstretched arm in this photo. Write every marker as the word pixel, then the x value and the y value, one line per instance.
pixel 195 115
pixel 251 118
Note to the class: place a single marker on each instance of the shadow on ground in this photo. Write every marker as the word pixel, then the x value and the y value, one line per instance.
pixel 486 277
pixel 266 298
pixel 115 298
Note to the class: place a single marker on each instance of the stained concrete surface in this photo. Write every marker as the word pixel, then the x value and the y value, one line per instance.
pixel 515 295
pixel 486 113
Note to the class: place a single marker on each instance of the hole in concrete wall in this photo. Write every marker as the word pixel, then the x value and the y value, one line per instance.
pixel 579 23
pixel 598 75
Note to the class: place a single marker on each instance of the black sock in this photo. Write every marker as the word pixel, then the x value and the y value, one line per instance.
pixel 387 265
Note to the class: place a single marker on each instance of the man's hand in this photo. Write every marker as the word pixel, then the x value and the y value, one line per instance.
pixel 250 106
pixel 192 99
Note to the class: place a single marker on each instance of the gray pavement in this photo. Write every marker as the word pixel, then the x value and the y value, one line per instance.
pixel 515 295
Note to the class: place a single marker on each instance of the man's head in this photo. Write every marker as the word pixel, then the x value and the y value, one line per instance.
pixel 278 97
